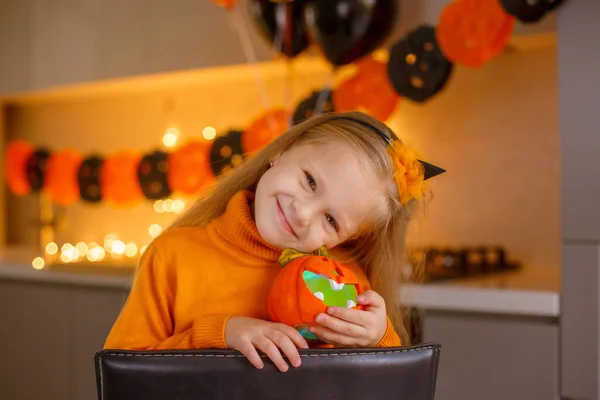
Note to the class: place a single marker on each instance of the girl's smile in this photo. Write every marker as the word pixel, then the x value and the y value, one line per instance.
pixel 284 221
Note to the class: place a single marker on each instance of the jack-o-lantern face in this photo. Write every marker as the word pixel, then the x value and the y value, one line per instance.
pixel 88 177
pixel 417 69
pixel 152 174
pixel 307 285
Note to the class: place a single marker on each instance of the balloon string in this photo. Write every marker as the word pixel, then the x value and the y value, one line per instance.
pixel 280 22
pixel 322 98
pixel 237 23
pixel 288 90
pixel 282 43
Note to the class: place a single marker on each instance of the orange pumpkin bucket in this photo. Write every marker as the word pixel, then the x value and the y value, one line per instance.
pixel 308 284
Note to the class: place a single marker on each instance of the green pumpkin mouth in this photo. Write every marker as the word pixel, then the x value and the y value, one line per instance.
pixel 329 291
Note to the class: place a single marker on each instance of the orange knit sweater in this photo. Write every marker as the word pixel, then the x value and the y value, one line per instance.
pixel 192 280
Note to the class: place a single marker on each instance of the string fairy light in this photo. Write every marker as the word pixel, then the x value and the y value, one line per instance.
pixel 112 248
pixel 170 137
pixel 38 263
pixel 175 206
pixel 154 230
pixel 209 133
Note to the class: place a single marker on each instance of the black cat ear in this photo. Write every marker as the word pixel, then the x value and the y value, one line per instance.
pixel 431 170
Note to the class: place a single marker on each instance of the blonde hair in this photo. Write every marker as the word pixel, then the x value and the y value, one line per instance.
pixel 380 250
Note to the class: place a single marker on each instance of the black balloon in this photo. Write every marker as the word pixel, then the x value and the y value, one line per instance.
pixel 152 175
pixel 36 166
pixel 289 39
pixel 529 11
pixel 307 107
pixel 226 152
pixel 88 178
pixel 347 30
pixel 417 69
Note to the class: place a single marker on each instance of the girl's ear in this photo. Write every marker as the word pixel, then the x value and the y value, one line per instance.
pixel 275 160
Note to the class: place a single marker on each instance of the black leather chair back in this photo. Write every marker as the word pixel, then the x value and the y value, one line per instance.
pixel 403 373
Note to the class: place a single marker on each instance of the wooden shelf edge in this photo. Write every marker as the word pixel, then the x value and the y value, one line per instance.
pixel 531 42
pixel 135 84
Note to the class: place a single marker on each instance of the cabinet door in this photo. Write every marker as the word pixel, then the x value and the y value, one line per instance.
pixel 494 358
pixel 94 312
pixel 77 41
pixel 34 341
pixel 14 46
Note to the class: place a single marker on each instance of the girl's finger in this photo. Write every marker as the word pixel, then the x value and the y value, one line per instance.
pixel 357 317
pixel 272 351
pixel 372 299
pixel 294 335
pixel 342 326
pixel 286 345
pixel 251 354
pixel 335 338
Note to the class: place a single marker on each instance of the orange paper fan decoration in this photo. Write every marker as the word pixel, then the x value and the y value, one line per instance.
pixel 472 32
pixel 17 153
pixel 229 4
pixel 119 180
pixel 61 177
pixel 189 168
pixel 264 129
pixel 369 90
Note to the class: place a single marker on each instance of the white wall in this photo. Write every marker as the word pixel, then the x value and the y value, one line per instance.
pixel 495 130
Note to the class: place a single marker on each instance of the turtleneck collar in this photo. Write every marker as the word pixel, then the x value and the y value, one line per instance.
pixel 237 227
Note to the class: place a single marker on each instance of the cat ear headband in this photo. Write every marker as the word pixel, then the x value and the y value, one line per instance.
pixel 410 173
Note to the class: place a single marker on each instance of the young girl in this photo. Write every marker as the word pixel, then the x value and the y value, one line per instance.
pixel 339 180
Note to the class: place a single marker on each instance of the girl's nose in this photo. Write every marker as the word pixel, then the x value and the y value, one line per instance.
pixel 303 213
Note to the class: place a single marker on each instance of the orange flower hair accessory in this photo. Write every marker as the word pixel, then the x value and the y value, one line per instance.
pixel 409 172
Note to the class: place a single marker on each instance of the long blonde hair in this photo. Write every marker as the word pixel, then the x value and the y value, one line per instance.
pixel 380 250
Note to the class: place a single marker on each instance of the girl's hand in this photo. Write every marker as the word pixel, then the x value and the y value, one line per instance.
pixel 249 334
pixel 345 327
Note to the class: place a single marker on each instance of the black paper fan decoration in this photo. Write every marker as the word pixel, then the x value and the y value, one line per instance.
pixel 36 167
pixel 529 11
pixel 88 177
pixel 226 152
pixel 417 69
pixel 307 107
pixel 152 174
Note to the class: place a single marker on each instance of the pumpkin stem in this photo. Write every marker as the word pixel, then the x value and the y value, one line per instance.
pixel 291 254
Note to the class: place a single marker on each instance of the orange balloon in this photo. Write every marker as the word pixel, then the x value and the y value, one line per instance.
pixel 471 32
pixel 189 168
pixel 61 177
pixel 119 180
pixel 229 4
pixel 264 129
pixel 369 90
pixel 17 153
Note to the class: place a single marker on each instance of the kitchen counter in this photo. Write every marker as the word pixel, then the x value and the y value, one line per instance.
pixel 528 292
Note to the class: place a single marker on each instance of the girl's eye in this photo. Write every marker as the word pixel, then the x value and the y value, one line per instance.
pixel 331 221
pixel 311 181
